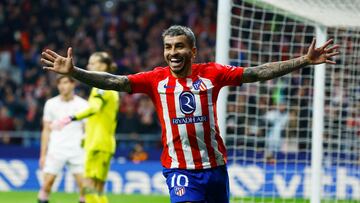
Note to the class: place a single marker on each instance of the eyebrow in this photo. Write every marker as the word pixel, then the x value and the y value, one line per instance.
pixel 177 43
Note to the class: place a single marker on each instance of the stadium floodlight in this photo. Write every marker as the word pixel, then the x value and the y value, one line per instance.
pixel 300 132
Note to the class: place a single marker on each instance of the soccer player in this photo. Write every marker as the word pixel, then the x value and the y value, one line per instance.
pixel 60 147
pixel 185 94
pixel 100 131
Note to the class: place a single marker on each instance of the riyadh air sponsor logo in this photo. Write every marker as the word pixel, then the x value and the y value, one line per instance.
pixel 179 190
pixel 187 120
pixel 199 85
pixel 187 102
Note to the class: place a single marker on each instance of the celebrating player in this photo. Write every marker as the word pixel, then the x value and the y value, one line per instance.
pixel 185 94
pixel 60 147
pixel 100 131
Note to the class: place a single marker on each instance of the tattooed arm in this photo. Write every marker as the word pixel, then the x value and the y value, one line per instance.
pixel 64 65
pixel 276 69
pixel 102 80
pixel 269 71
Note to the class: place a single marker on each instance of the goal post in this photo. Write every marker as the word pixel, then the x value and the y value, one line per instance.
pixel 295 137
pixel 318 121
pixel 222 51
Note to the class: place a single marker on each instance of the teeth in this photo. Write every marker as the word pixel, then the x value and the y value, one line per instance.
pixel 175 60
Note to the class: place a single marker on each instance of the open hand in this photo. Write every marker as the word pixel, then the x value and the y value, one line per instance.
pixel 322 54
pixel 57 63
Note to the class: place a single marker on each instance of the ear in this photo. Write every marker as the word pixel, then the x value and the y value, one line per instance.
pixel 194 52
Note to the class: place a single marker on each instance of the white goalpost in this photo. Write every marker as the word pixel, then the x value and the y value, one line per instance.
pixel 295 138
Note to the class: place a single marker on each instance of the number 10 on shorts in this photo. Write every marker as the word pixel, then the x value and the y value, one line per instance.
pixel 180 180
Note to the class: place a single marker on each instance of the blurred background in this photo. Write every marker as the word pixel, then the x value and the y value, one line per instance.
pixel 130 30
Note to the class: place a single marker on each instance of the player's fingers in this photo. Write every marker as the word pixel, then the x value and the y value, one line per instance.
pixel 47 56
pixel 330 62
pixel 327 43
pixel 332 48
pixel 47 62
pixel 332 54
pixel 48 68
pixel 52 53
pixel 69 52
pixel 312 45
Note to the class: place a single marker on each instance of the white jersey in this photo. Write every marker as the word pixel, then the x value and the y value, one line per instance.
pixel 67 140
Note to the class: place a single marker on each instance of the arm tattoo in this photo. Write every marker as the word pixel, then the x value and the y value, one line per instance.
pixel 102 80
pixel 273 70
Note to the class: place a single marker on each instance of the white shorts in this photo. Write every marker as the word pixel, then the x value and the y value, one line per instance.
pixel 55 163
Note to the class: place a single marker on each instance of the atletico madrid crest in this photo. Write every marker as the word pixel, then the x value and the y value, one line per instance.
pixel 179 190
pixel 199 84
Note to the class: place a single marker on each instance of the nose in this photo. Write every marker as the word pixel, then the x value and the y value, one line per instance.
pixel 173 51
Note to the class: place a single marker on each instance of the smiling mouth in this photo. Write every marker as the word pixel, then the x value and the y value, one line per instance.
pixel 175 62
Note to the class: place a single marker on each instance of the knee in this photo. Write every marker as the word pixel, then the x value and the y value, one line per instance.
pixel 88 190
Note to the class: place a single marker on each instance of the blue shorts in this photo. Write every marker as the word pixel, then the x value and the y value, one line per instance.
pixel 205 186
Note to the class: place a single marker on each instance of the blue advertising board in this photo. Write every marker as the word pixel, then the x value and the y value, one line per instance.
pixel 286 181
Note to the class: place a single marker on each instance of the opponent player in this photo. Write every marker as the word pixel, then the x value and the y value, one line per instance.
pixel 185 94
pixel 61 147
pixel 100 131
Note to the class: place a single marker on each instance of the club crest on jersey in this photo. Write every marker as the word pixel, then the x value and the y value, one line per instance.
pixel 179 190
pixel 187 102
pixel 199 85
pixel 100 91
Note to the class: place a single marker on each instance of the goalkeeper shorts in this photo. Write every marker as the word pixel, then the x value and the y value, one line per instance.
pixel 97 164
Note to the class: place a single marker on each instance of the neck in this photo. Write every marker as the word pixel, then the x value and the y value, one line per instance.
pixel 67 97
pixel 183 74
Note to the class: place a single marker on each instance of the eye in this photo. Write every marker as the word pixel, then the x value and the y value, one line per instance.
pixel 179 45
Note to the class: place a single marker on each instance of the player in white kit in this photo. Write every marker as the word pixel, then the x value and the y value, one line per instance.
pixel 60 147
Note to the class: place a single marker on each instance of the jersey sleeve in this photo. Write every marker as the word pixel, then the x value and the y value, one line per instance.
pixel 96 100
pixel 142 82
pixel 229 75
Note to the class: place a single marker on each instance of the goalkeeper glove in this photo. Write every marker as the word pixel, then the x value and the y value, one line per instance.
pixel 61 123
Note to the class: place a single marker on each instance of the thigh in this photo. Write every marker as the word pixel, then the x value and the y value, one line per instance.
pixel 185 185
pixel 97 165
pixel 76 163
pixel 54 164
pixel 218 186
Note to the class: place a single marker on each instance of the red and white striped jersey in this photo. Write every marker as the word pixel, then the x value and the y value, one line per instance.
pixel 186 110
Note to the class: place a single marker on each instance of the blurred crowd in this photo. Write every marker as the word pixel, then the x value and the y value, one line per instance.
pixel 275 115
pixel 129 30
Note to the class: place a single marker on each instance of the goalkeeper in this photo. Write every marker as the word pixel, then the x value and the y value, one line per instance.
pixel 100 127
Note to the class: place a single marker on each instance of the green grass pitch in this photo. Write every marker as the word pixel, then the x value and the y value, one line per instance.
pixel 58 197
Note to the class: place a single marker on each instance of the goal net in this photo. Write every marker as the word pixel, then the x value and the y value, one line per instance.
pixel 269 125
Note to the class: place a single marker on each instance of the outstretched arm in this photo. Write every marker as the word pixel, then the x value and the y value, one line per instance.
pixel 102 80
pixel 276 69
pixel 64 65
